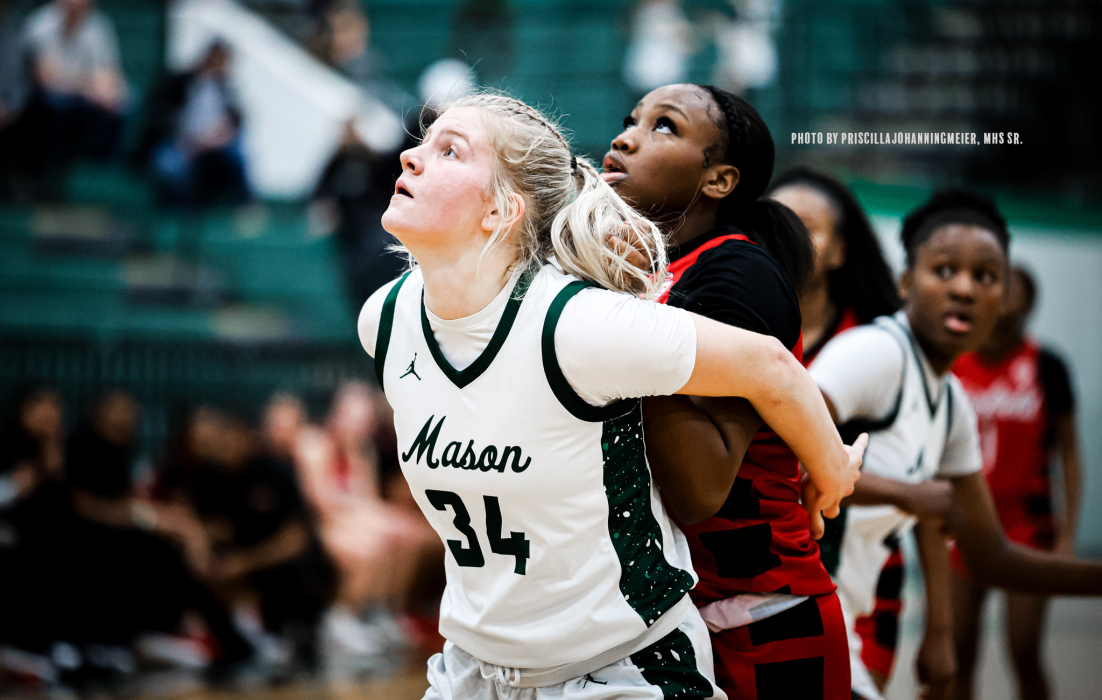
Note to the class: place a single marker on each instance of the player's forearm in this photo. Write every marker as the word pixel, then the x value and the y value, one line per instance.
pixel 735 362
pixel 934 556
pixel 994 561
pixel 1024 570
pixel 873 490
pixel 1071 467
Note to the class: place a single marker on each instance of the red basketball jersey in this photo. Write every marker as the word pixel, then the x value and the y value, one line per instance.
pixel 760 540
pixel 1010 404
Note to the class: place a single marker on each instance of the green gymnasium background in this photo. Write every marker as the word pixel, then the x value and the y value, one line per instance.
pixel 89 293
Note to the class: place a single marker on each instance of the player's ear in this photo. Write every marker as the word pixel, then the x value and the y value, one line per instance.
pixel 905 281
pixel 512 213
pixel 720 180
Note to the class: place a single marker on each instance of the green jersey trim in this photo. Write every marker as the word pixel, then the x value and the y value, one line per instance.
pixel 386 326
pixel 566 395
pixel 648 582
pixel 670 664
pixel 462 378
pixel 932 403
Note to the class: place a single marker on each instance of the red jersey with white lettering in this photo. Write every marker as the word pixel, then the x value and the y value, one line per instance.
pixel 760 540
pixel 1016 400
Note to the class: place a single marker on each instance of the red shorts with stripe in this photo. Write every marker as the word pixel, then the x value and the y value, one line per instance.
pixel 799 653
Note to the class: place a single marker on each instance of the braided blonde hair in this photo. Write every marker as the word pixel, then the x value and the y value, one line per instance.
pixel 569 210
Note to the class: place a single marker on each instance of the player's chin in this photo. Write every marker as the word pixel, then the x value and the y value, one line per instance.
pixel 395 221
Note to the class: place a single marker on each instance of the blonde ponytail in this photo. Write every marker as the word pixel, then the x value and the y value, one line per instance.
pixel 580 231
pixel 570 212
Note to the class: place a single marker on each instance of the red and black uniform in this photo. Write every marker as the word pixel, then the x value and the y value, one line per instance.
pixel 760 541
pixel 1017 401
pixel 879 629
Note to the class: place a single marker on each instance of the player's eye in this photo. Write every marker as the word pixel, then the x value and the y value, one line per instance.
pixel 629 121
pixel 665 125
pixel 449 152
pixel 944 272
pixel 986 277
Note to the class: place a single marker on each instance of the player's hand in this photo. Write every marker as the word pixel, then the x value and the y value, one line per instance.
pixel 822 497
pixel 936 665
pixel 634 252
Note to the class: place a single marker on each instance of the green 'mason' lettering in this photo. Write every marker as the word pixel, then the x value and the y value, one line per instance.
pixel 426 441
pixel 424 445
pixel 488 460
pixel 516 452
pixel 450 455
pixel 470 459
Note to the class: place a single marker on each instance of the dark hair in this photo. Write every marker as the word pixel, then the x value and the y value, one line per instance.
pixel 952 207
pixel 748 145
pixel 864 283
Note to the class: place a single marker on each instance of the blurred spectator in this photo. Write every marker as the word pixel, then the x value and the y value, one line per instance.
pixel 192 135
pixel 659 50
pixel 353 193
pixel 745 53
pixel 128 547
pixel 266 564
pixel 14 88
pixel 379 548
pixel 34 519
pixel 445 80
pixel 76 108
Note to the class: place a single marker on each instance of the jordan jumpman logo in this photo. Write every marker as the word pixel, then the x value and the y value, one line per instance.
pixel 411 369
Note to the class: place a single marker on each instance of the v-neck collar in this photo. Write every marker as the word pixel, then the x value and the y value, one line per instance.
pixel 462 378
pixel 924 369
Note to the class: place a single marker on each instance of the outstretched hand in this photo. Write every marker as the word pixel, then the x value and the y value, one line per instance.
pixel 825 500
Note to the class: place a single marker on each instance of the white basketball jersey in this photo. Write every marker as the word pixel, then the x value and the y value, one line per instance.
pixel 559 548
pixel 905 446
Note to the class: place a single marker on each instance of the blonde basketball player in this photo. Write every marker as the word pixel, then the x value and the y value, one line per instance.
pixel 515 381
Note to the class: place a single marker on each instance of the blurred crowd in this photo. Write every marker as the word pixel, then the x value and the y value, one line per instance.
pixel 283 546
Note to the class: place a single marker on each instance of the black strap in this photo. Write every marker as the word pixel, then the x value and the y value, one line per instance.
pixel 566 395
pixel 386 325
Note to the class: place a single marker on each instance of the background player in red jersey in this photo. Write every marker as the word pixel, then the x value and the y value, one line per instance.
pixel 1026 410
pixel 696 160
pixel 850 284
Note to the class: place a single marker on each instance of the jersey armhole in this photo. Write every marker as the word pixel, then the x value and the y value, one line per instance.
pixel 851 429
pixel 566 395
pixel 386 325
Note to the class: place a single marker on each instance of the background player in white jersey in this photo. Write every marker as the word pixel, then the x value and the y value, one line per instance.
pixel 892 379
pixel 521 430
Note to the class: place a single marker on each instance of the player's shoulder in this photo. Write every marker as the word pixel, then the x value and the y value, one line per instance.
pixel 367 325
pixel 869 339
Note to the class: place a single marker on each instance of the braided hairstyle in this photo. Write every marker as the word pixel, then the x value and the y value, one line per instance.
pixel 747 144
pixel 569 211
pixel 947 207
pixel 865 282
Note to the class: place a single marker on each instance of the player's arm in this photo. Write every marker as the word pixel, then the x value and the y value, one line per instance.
pixel 926 499
pixel 936 661
pixel 734 362
pixel 996 562
pixel 1067 446
pixel 695 448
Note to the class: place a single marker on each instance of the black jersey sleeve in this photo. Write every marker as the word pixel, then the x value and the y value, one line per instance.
pixel 1056 382
pixel 742 285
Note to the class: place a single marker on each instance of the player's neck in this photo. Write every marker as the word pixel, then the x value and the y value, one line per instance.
pixel 698 220
pixel 817 311
pixel 461 285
